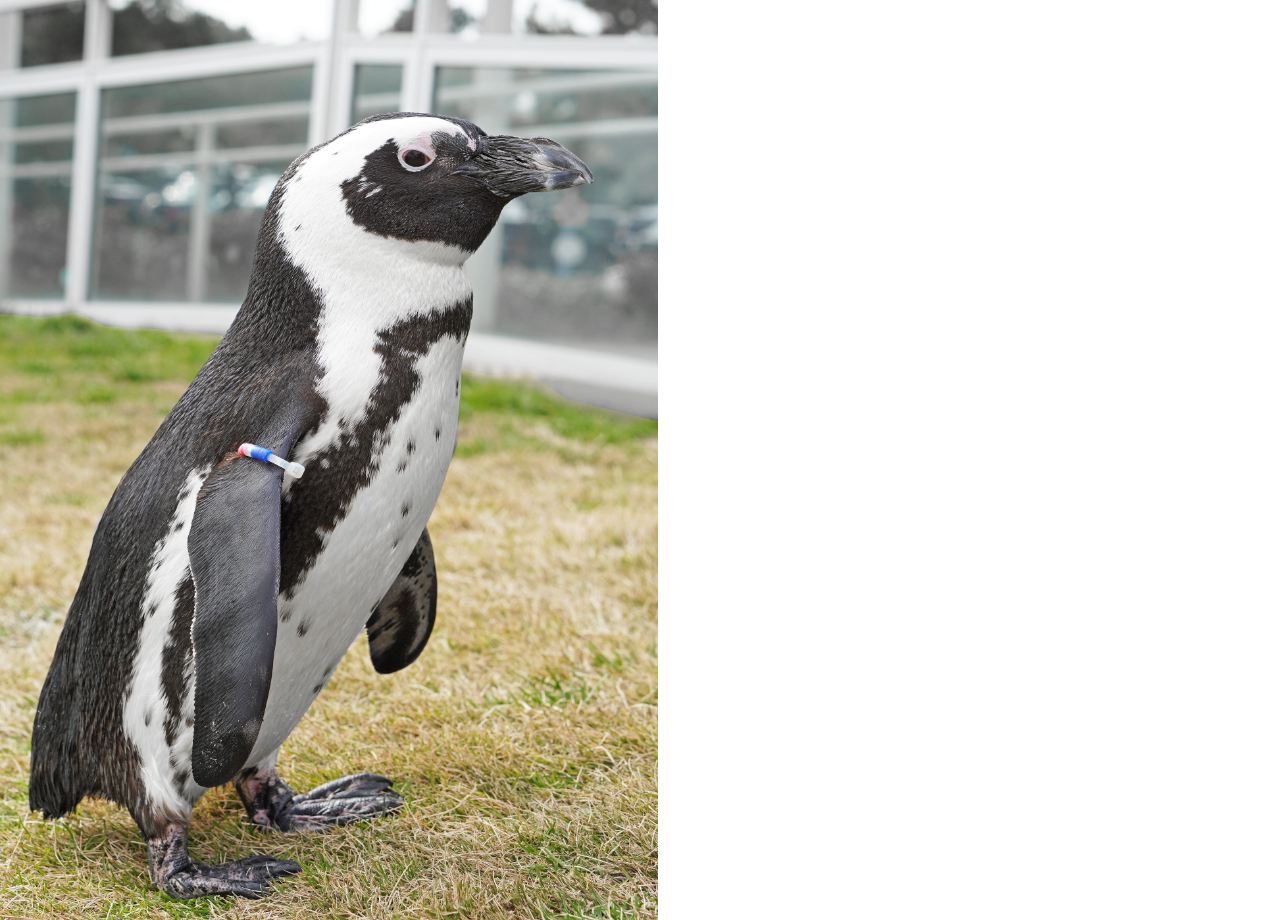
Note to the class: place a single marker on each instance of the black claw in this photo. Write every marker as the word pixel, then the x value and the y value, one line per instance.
pixel 355 785
pixel 285 868
pixel 271 803
pixel 351 806
pixel 176 876
pixel 257 869
pixel 190 885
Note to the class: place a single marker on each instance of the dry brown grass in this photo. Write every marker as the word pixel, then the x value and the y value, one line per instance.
pixel 524 739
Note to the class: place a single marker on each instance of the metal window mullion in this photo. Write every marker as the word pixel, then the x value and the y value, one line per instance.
pixel 200 219
pixel 8 113
pixel 384 49
pixel 222 116
pixel 581 82
pixel 412 67
pixel 209 61
pixel 34 133
pixel 341 108
pixel 379 100
pixel 420 70
pixel 320 94
pixel 42 81
pixel 247 57
pixel 608 127
pixel 212 157
pixel 83 187
pixel 159 67
pixel 546 52
pixel 35 170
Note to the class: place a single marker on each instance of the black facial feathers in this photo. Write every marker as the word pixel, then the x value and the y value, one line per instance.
pixel 436 203
pixel 451 187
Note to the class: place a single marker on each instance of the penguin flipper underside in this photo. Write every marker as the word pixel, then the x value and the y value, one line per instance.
pixel 234 560
pixel 403 620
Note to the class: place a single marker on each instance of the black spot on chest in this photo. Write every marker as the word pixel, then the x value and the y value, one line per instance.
pixel 314 505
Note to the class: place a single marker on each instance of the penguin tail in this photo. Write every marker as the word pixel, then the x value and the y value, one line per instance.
pixel 51 795
pixel 57 781
pixel 56 786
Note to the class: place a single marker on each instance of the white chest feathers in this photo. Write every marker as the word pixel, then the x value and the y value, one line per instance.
pixel 367 547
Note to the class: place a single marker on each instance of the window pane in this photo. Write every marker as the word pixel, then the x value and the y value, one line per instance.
pixel 142 233
pixel 580 266
pixel 36 135
pixel 149 26
pixel 264 133
pixel 380 17
pixel 291 85
pixel 170 141
pixel 186 170
pixel 238 194
pixel 377 88
pixel 590 17
pixel 53 35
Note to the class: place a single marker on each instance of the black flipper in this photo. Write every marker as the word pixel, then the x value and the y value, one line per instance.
pixel 403 620
pixel 235 564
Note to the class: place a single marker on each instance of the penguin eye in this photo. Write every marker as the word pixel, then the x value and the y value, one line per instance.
pixel 414 159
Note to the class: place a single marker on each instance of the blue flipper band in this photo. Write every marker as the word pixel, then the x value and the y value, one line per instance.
pixel 265 455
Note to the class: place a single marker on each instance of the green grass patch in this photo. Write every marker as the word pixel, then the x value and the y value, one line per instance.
pixel 59 353
pixel 21 437
pixel 493 397
pixel 56 358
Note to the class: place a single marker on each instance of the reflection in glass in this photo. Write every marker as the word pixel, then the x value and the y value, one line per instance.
pixel 162 25
pixel 53 34
pixel 36 136
pixel 238 193
pixel 377 88
pixel 186 170
pixel 291 85
pixel 380 17
pixel 580 266
pixel 589 17
pixel 141 243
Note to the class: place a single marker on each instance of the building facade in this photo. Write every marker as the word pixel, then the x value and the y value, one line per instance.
pixel 139 144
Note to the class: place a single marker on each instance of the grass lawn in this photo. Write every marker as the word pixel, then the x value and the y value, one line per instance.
pixel 524 739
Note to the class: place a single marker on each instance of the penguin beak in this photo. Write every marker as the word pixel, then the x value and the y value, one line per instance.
pixel 558 167
pixel 513 166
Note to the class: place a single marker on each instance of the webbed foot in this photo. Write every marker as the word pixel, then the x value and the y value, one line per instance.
pixel 271 803
pixel 173 872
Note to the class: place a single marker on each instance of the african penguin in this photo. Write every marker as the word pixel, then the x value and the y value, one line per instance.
pixel 220 592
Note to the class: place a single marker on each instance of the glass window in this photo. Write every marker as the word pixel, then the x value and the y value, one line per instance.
pixel 159 25
pixel 587 17
pixel 162 25
pixel 186 169
pixel 577 267
pixel 36 136
pixel 379 17
pixel 53 34
pixel 377 88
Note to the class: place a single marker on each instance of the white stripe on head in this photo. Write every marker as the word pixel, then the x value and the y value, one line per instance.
pixel 419 133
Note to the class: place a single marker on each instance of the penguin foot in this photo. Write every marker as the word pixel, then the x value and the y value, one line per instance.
pixel 271 803
pixel 173 872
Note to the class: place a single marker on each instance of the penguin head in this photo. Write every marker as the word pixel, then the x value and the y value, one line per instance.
pixel 412 177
